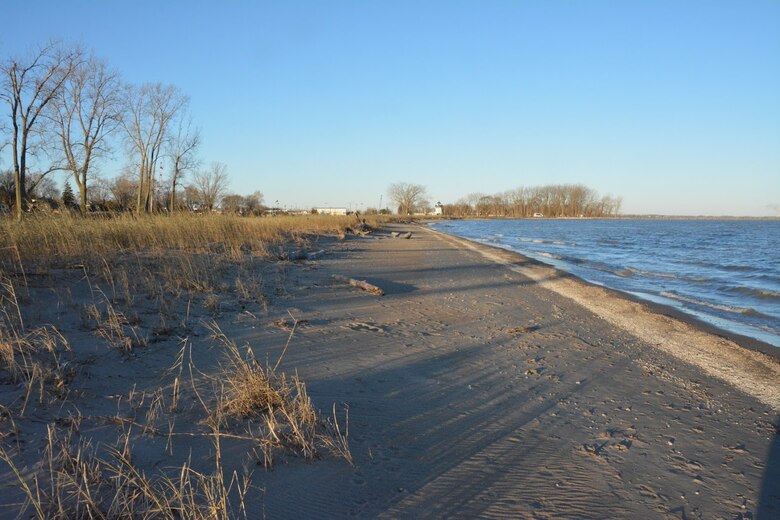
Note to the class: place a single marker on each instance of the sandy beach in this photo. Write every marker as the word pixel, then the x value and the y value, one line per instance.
pixel 481 384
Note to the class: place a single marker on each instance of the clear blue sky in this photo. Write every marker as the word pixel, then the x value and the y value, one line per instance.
pixel 673 105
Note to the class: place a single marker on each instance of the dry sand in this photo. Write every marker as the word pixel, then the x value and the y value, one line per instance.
pixel 480 385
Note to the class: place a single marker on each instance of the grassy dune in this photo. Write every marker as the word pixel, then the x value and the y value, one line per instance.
pixel 47 241
pixel 81 299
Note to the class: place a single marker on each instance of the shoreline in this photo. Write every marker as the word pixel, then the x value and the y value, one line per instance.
pixel 719 352
pixel 742 340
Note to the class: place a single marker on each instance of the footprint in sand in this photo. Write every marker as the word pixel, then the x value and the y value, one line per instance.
pixel 363 326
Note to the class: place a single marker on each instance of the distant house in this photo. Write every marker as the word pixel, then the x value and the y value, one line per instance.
pixel 331 211
pixel 538 215
pixel 438 209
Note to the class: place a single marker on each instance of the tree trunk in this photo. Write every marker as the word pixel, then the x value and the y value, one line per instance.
pixel 21 187
pixel 139 195
pixel 83 195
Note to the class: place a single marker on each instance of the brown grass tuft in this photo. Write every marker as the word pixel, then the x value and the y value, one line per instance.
pixel 287 417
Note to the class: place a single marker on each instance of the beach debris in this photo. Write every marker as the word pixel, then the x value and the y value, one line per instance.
pixel 288 325
pixel 299 254
pixel 523 330
pixel 364 326
pixel 396 234
pixel 362 228
pixel 362 284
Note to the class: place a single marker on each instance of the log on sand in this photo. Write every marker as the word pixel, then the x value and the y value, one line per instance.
pixel 362 284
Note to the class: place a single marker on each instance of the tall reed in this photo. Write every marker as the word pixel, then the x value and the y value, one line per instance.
pixel 46 241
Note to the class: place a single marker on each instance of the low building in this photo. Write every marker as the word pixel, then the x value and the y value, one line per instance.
pixel 438 209
pixel 538 215
pixel 331 211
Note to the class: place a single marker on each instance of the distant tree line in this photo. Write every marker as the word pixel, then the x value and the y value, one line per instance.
pixel 554 200
pixel 68 110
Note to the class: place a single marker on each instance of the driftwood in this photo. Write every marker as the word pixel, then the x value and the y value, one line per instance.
pixel 396 234
pixel 362 284
pixel 301 255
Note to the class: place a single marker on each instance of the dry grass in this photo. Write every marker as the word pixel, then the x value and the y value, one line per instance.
pixel 77 480
pixel 47 241
pixel 35 359
pixel 113 326
pixel 137 281
pixel 253 404
pixel 31 357
pixel 287 417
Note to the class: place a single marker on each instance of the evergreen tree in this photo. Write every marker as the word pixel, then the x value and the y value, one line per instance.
pixel 68 198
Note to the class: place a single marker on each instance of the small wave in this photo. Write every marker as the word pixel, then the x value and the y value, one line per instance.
pixel 769 329
pixel 672 276
pixel 728 267
pixel 574 259
pixel 549 255
pixel 745 311
pixel 542 241
pixel 764 294
pixel 724 267
pixel 766 278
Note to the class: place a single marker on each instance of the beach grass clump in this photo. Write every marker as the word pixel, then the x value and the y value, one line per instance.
pixel 76 479
pixel 35 359
pixel 279 403
pixel 31 356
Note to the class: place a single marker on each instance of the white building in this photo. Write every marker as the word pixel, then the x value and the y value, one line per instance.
pixel 331 211
pixel 438 209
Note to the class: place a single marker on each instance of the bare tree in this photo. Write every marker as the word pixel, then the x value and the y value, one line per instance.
pixel 254 202
pixel 84 114
pixel 6 189
pixel 148 114
pixel 233 203
pixel 28 86
pixel 100 190
pixel 122 189
pixel 408 197
pixel 211 184
pixel 243 204
pixel 192 198
pixel 182 149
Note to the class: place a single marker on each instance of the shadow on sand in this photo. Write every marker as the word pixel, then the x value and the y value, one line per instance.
pixel 769 501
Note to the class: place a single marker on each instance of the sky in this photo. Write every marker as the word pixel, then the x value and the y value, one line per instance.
pixel 672 105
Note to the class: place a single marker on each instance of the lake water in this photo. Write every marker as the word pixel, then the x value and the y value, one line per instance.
pixel 725 272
